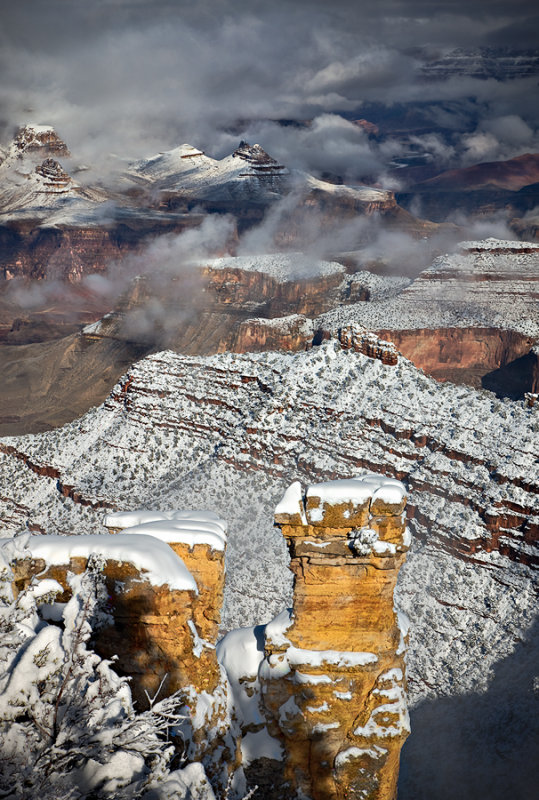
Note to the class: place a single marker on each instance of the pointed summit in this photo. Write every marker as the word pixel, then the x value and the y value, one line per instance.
pixel 42 139
pixel 256 157
pixel 54 177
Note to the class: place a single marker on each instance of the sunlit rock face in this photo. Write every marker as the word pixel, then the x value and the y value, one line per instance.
pixel 332 680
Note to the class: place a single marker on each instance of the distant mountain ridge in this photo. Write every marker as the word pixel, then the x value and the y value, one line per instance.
pixel 513 174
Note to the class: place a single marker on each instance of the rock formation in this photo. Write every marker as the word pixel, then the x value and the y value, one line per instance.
pixel 199 541
pixel 42 139
pixel 153 604
pixel 333 675
pixel 331 685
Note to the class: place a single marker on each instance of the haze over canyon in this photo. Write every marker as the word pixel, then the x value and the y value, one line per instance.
pixel 269 262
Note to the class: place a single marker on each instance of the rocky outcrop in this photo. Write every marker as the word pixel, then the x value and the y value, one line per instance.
pixel 333 675
pixel 147 632
pixel 231 285
pixel 199 541
pixel 70 252
pixel 32 139
pixel 164 582
pixel 209 307
pixel 294 332
pixel 354 337
pixel 55 177
pixel 259 162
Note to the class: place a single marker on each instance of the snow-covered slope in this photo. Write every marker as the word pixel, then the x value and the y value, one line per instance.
pixel 487 283
pixel 228 432
pixel 34 184
pixel 248 173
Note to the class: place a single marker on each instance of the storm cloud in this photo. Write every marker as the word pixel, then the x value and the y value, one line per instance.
pixel 133 77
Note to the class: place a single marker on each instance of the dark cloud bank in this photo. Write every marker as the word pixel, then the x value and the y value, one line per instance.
pixel 134 77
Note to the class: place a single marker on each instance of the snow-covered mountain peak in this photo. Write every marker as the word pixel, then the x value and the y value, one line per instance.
pixel 256 156
pixel 41 139
pixel 53 176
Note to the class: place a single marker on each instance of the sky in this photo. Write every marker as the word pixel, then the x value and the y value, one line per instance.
pixel 134 77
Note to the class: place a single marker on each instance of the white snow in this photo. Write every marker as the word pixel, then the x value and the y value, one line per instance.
pixel 302 677
pixel 292 502
pixel 187 448
pixel 343 695
pixel 358 490
pixel 317 709
pixel 275 630
pixel 260 744
pixel 384 548
pixel 356 752
pixel 181 532
pixel 282 267
pixel 318 658
pixel 128 519
pixel 240 653
pixel 322 727
pixel 490 283
pixel 155 559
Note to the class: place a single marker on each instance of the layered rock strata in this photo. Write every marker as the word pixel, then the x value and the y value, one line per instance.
pixel 150 597
pixel 471 317
pixel 332 679
pixel 163 621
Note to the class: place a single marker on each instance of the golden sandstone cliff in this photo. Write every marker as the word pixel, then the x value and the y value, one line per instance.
pixel 310 705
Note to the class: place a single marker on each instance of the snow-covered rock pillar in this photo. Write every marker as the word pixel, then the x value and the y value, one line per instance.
pixel 198 538
pixel 333 676
pixel 150 596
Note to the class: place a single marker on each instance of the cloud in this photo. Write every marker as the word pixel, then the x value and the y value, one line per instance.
pixel 134 77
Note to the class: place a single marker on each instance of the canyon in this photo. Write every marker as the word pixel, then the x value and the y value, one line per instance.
pixel 320 710
pixel 222 431
pixel 468 317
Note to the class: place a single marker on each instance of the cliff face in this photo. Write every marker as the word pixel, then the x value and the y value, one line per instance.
pixel 209 307
pixel 294 332
pixel 470 355
pixel 469 318
pixel 340 708
pixel 223 430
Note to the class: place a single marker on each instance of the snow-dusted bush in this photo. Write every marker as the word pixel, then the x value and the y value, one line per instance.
pixel 68 729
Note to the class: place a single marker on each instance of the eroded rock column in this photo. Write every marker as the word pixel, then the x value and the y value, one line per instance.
pixel 198 539
pixel 333 676
pixel 150 598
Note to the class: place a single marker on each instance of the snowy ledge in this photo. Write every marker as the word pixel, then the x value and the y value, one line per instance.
pixel 173 527
pixel 359 492
pixel 281 267
pixel 156 560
